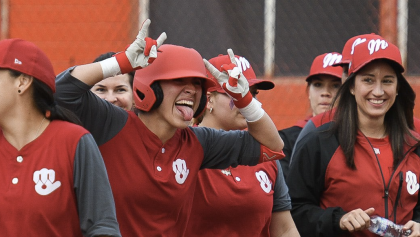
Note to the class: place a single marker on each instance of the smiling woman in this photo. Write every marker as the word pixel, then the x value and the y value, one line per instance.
pixel 367 160
pixel 117 90
pixel 375 91
pixel 152 156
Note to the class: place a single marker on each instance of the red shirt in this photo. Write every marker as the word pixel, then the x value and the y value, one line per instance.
pixel 236 201
pixel 37 195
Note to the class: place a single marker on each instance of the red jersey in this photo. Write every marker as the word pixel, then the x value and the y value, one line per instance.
pixel 40 195
pixel 220 209
pixel 323 188
pixel 153 183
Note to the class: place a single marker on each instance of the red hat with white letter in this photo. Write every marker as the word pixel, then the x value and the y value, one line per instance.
pixel 348 48
pixel 25 57
pixel 323 65
pixel 372 50
pixel 246 70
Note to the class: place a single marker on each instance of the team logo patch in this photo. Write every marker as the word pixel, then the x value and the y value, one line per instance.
pixel 45 181
pixel 181 171
pixel 412 185
pixel 376 45
pixel 330 59
pixel 265 182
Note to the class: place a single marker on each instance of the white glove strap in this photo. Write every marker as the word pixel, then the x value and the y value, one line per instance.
pixel 252 112
pixel 110 67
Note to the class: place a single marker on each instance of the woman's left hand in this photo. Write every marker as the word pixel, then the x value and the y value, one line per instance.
pixel 414 227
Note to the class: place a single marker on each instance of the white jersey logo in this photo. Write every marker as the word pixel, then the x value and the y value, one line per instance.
pixel 181 172
pixel 376 45
pixel 44 181
pixel 412 185
pixel 331 58
pixel 265 182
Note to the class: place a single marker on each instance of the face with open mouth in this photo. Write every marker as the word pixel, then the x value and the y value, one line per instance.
pixel 375 90
pixel 322 89
pixel 181 98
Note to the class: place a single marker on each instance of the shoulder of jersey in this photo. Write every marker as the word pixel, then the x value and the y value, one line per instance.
pixel 323 118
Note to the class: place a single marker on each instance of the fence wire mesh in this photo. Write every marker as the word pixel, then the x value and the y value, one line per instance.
pixel 74 32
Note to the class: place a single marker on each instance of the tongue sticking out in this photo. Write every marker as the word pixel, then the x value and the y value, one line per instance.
pixel 186 111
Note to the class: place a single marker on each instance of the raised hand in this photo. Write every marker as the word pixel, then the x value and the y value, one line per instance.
pixel 232 81
pixel 141 52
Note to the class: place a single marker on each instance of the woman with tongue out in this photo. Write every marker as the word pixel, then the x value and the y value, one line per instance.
pixel 243 200
pixel 151 155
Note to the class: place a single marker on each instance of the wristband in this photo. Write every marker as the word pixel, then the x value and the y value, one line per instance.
pixel 244 101
pixel 252 112
pixel 110 67
pixel 269 155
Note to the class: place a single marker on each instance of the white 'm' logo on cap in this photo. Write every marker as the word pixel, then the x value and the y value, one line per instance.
pixel 242 63
pixel 331 58
pixel 376 45
pixel 17 61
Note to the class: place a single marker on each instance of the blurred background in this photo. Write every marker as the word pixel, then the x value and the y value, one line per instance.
pixel 280 38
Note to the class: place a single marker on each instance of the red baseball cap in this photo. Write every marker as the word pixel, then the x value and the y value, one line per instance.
pixel 246 69
pixel 25 57
pixel 372 50
pixel 323 65
pixel 348 48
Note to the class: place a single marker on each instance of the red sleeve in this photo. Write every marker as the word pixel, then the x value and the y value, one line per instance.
pixel 269 155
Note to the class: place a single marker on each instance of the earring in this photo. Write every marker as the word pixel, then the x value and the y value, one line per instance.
pixel 211 110
pixel 352 92
pixel 19 91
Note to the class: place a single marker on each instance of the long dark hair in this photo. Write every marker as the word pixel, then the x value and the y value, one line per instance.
pixel 44 101
pixel 398 120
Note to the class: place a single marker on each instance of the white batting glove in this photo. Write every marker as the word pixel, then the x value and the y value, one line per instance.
pixel 139 54
pixel 237 87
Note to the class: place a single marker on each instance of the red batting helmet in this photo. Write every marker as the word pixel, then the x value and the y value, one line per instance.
pixel 171 63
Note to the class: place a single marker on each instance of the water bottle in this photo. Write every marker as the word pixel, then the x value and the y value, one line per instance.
pixel 384 227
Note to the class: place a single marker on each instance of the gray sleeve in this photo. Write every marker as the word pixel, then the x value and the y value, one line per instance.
pixel 101 118
pixel 309 126
pixel 95 202
pixel 227 148
pixel 281 198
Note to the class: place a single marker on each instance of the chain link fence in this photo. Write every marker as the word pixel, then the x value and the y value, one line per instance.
pixel 74 32
pixel 303 29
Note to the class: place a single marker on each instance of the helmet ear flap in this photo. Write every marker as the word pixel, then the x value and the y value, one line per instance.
pixel 144 97
pixel 202 105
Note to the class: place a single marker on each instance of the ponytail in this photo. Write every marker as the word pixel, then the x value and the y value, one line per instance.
pixel 44 101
